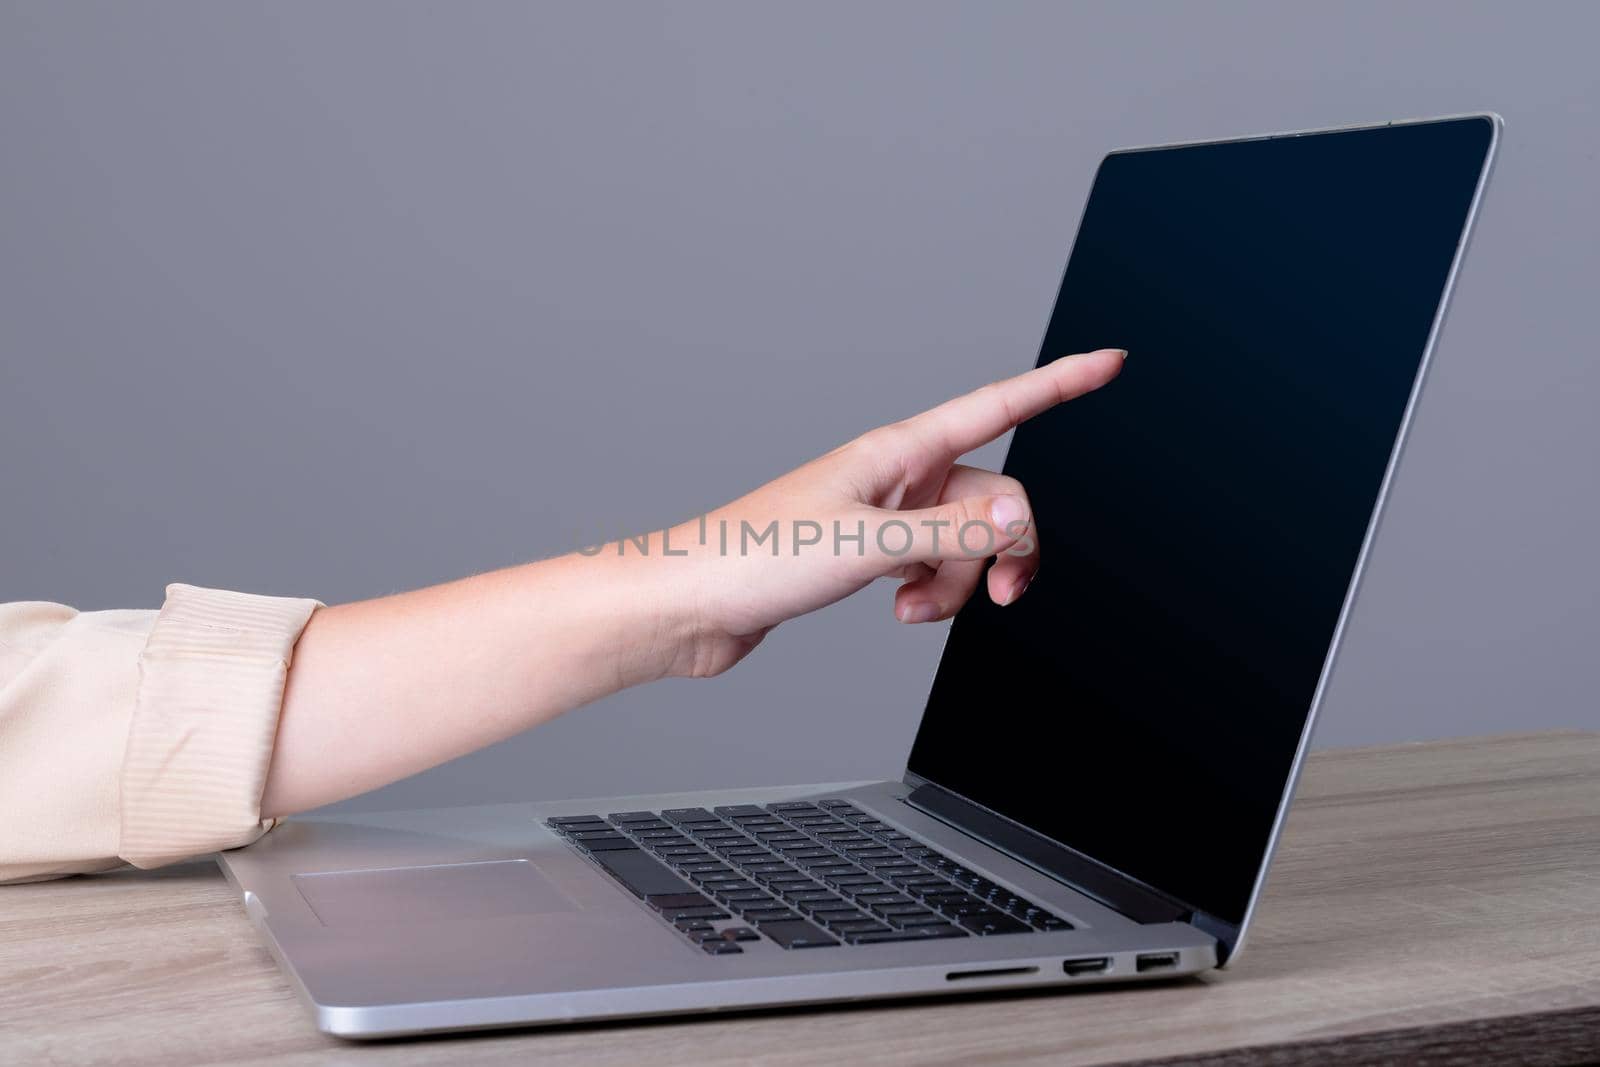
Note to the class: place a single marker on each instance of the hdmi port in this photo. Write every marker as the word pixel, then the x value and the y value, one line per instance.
pixel 1086 965
pixel 1155 961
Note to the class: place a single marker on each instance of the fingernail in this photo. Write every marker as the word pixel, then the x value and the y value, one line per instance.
pixel 918 613
pixel 1006 510
pixel 1019 587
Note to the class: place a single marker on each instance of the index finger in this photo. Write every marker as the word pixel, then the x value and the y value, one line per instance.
pixel 958 426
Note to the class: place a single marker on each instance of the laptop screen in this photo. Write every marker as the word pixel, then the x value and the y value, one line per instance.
pixel 1201 518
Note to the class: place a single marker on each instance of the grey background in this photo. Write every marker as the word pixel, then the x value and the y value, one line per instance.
pixel 338 299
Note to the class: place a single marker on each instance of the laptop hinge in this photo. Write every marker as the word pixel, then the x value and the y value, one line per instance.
pixel 1114 890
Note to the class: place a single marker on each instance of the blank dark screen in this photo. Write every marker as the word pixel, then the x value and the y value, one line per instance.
pixel 1201 517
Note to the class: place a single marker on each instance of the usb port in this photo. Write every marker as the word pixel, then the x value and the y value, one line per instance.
pixel 1086 965
pixel 1155 961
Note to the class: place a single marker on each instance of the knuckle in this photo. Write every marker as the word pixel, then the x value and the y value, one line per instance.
pixel 889 439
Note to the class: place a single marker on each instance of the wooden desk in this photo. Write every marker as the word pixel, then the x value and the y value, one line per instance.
pixel 1433 903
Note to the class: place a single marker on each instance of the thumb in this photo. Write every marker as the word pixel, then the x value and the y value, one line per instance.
pixel 973 527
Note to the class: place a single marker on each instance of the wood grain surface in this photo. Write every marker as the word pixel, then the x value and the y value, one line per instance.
pixel 1434 903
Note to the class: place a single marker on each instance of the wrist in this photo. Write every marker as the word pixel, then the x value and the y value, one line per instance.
pixel 652 595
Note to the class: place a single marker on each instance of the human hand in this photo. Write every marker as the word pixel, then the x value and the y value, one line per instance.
pixel 891 503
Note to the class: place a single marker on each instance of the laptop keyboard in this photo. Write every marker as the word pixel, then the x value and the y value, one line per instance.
pixel 799 874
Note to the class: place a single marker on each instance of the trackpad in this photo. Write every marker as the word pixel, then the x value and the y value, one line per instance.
pixel 431 894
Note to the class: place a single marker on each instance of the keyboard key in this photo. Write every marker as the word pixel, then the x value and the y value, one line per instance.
pixel 836 804
pixel 735 810
pixel 994 923
pixel 887 896
pixel 770 867
pixel 670 901
pixel 633 816
pixel 766 915
pixel 856 926
pixel 847 877
pixel 740 933
pixel 829 916
pixel 683 815
pixel 719 947
pixel 872 889
pixel 810 852
pixel 766 905
pixel 796 933
pixel 916 933
pixel 741 896
pixel 700 866
pixel 708 912
pixel 714 879
pixel 811 907
pixel 1052 922
pixel 927 918
pixel 888 868
pixel 938 898
pixel 896 912
pixel 813 896
pixel 641 873
pixel 792 806
pixel 570 820
pixel 606 843
pixel 698 828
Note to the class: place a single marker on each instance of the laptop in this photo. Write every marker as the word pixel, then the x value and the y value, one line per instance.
pixel 1102 768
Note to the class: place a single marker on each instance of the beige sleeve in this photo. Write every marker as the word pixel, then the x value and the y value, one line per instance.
pixel 138 737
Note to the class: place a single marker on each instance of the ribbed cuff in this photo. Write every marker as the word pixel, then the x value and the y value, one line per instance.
pixel 211 686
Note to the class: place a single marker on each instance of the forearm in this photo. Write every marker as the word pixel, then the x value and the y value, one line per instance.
pixel 385 688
